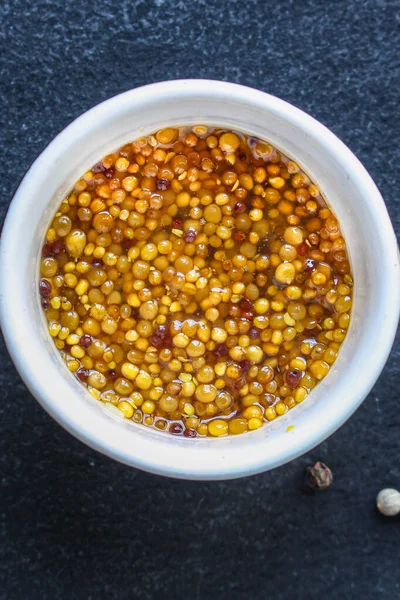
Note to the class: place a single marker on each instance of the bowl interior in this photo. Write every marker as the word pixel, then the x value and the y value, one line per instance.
pixel 349 191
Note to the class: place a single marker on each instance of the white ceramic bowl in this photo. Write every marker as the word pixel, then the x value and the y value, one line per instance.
pixel 355 200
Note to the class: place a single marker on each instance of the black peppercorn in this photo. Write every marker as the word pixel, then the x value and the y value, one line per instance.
pixel 319 477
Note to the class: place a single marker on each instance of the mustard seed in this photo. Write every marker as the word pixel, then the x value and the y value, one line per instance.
pixel 191 433
pixel 163 184
pixel 44 288
pixel 176 429
pixel 85 341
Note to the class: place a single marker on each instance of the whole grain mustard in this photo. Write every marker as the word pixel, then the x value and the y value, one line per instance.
pixel 196 281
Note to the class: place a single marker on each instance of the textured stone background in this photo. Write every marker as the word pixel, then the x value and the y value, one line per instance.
pixel 75 524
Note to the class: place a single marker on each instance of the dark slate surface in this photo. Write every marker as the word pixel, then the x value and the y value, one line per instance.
pixel 75 524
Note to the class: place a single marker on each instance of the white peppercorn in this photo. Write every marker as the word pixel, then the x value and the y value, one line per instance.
pixel 388 502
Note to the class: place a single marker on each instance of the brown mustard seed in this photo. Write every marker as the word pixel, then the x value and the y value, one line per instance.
pixel 196 281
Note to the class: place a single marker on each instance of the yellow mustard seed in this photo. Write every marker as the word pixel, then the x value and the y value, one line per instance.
pixel 285 273
pixel 319 368
pixel 148 407
pixel 254 423
pixel 229 142
pixel 129 371
pixel 126 408
pixel 300 394
pixel 270 413
pixel 218 427
pixel 73 365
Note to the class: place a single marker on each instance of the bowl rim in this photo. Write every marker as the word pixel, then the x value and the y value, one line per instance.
pixel 215 89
